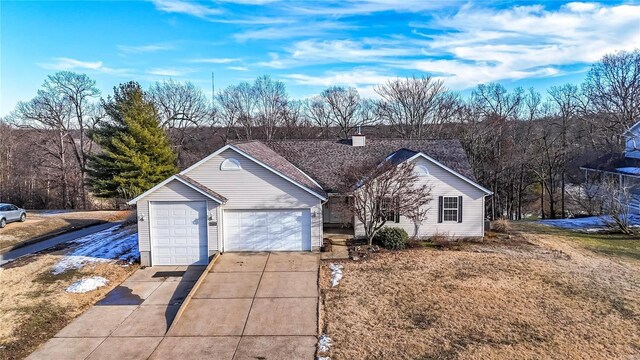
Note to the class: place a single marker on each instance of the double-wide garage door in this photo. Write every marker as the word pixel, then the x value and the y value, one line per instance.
pixel 267 230
pixel 179 233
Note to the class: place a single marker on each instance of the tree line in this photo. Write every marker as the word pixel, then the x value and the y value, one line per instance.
pixel 526 146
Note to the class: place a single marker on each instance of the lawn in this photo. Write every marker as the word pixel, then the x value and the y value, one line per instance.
pixel 34 303
pixel 43 224
pixel 535 295
pixel 616 244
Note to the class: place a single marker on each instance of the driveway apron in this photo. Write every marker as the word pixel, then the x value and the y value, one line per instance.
pixel 249 306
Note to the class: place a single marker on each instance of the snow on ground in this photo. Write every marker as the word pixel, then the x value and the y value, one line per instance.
pixel 630 170
pixel 109 245
pixel 324 343
pixel 49 212
pixel 87 284
pixel 336 274
pixel 588 224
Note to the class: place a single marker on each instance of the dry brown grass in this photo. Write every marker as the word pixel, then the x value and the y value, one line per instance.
pixel 38 226
pixel 501 225
pixel 532 298
pixel 34 305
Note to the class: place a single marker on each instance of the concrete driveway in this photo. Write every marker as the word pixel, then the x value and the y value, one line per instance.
pixel 250 306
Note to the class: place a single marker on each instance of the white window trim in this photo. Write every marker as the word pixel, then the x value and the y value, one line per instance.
pixel 421 170
pixel 445 208
pixel 230 164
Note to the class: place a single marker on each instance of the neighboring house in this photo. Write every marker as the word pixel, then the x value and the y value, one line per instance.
pixel 624 168
pixel 281 195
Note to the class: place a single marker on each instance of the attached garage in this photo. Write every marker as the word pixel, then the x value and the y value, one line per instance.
pixel 267 230
pixel 179 233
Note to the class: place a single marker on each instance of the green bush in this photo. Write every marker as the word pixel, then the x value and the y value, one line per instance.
pixel 392 238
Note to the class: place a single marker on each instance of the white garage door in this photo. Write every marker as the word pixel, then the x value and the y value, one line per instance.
pixel 267 230
pixel 179 233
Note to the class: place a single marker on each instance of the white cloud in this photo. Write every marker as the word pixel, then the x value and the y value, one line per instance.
pixel 139 49
pixel 250 2
pixel 356 78
pixel 64 63
pixel 238 68
pixel 172 72
pixel 350 50
pixel 214 60
pixel 482 44
pixel 368 50
pixel 363 7
pixel 184 7
pixel 308 29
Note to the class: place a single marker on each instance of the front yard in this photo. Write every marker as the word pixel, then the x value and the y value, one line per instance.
pixel 35 302
pixel 537 295
pixel 44 224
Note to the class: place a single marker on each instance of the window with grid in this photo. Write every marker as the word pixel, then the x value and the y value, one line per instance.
pixel 390 210
pixel 450 208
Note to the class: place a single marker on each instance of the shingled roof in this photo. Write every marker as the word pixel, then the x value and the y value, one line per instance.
pixel 202 188
pixel 267 156
pixel 329 161
pixel 613 162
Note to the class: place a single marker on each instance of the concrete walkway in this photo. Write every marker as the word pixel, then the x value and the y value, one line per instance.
pixel 250 306
pixel 45 244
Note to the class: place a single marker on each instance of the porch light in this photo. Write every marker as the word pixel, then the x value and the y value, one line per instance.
pixel 141 217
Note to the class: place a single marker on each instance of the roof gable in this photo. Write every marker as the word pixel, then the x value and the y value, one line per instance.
pixel 267 158
pixel 186 181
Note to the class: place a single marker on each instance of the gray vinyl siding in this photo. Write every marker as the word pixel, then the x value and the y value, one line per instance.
pixel 256 187
pixel 175 191
pixel 444 183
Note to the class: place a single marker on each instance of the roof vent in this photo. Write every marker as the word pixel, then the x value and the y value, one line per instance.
pixel 357 139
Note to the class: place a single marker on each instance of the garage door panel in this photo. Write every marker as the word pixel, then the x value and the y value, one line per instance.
pixel 179 233
pixel 267 230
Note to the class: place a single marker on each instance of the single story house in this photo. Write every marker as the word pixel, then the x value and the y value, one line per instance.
pixel 281 195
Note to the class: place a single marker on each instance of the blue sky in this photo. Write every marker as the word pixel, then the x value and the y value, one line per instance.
pixel 309 45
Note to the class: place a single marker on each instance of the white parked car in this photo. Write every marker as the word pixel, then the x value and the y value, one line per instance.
pixel 10 213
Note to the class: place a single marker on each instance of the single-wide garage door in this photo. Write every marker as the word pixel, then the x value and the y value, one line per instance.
pixel 179 233
pixel 267 230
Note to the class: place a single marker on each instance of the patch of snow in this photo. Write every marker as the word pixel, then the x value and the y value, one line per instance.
pixel 113 244
pixel 324 343
pixel 587 224
pixel 87 284
pixel 50 212
pixel 336 274
pixel 630 170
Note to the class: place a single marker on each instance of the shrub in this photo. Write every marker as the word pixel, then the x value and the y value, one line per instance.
pixel 440 239
pixel 392 238
pixel 501 225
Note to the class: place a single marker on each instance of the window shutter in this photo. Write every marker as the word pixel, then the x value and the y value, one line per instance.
pixel 440 205
pixel 459 209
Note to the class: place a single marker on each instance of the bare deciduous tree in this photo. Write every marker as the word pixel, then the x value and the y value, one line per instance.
pixel 271 105
pixel 182 108
pixel 50 114
pixel 79 90
pixel 389 188
pixel 612 88
pixel 413 106
pixel 345 109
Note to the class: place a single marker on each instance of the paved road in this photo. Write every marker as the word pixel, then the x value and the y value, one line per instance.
pixel 45 244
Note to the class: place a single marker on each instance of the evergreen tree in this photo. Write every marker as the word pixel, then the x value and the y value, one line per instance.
pixel 136 153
